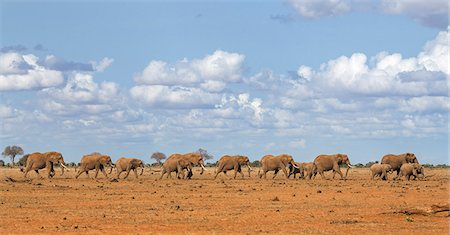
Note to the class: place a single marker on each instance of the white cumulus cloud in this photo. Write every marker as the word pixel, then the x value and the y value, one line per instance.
pixel 22 72
pixel 219 66
pixel 314 9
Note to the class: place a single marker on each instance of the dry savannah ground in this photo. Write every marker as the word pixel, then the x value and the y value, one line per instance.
pixel 222 206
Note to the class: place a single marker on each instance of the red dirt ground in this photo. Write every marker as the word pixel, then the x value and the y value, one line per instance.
pixel 222 206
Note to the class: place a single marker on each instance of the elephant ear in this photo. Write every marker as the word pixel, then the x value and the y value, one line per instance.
pixel 135 162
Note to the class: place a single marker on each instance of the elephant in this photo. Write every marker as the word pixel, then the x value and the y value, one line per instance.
pixel 330 162
pixel 37 161
pixel 304 169
pixel 235 163
pixel 411 169
pixel 128 164
pixel 396 161
pixel 97 162
pixel 381 170
pixel 276 163
pixel 172 164
pixel 184 163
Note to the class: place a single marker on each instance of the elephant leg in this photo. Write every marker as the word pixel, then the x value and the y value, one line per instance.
pixel 291 171
pixel 162 173
pixel 217 173
pixel 78 173
pixel 104 173
pixel 336 169
pixel 235 171
pixel 383 175
pixel 135 172
pixel 286 173
pixel 49 168
pixel 26 172
pixel 240 171
pixel 218 170
pixel 128 172
pixel 190 174
pixel 398 174
pixel 118 174
pixel 37 172
pixel 322 175
pixel 96 172
pixel 275 173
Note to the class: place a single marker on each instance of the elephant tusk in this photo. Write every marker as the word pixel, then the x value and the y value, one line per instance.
pixel 350 166
pixel 203 167
pixel 64 166
pixel 249 167
pixel 295 166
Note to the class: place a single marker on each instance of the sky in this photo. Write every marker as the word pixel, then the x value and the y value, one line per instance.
pixel 303 77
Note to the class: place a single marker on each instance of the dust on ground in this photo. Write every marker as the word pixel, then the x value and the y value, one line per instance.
pixel 222 206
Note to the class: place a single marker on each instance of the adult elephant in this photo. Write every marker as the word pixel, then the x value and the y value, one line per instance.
pixel 276 163
pixel 227 163
pixel 324 163
pixel 396 161
pixel 37 161
pixel 381 170
pixel 98 162
pixel 128 164
pixel 172 164
pixel 304 169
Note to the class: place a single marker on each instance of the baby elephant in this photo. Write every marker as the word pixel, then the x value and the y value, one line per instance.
pixel 414 169
pixel 128 164
pixel 381 170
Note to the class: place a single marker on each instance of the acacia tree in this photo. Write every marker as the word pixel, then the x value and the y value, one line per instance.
pixel 158 157
pixel 12 151
pixel 205 154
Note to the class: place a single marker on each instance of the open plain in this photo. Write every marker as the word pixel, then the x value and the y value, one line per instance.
pixel 202 205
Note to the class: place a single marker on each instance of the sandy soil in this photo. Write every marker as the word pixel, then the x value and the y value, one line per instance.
pixel 222 206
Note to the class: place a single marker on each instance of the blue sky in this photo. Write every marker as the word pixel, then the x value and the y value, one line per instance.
pixel 303 77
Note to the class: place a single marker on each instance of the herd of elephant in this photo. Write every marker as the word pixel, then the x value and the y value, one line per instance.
pixel 405 165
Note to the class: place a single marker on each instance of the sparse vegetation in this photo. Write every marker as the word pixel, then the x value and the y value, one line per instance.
pixel 205 154
pixel 158 157
pixel 23 160
pixel 12 152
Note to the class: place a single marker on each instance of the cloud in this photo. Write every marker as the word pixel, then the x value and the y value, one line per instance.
pixel 102 65
pixel 297 143
pixel 426 74
pixel 22 72
pixel 187 84
pixel 315 9
pixel 82 94
pixel 174 97
pixel 6 111
pixel 432 13
pixel 219 66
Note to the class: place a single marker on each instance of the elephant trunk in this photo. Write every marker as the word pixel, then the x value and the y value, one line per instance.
pixel 348 168
pixel 112 165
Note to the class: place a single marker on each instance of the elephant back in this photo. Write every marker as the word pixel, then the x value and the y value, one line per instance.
pixel 396 161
